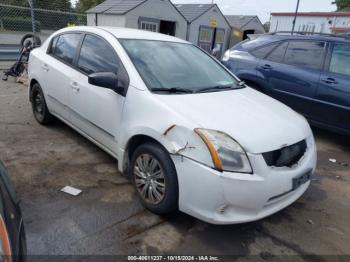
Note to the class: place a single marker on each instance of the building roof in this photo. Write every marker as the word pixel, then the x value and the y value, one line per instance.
pixel 118 7
pixel 192 11
pixel 327 14
pixel 238 21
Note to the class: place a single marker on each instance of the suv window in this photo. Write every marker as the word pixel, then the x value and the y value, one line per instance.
pixel 278 54
pixel 262 52
pixel 97 55
pixel 66 46
pixel 305 53
pixel 340 60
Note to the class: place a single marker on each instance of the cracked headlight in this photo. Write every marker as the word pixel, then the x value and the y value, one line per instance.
pixel 226 153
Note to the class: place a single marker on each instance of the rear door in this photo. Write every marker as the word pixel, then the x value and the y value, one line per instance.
pixel 333 94
pixel 56 71
pixel 96 110
pixel 292 71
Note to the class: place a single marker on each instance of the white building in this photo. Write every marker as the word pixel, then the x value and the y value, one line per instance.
pixel 318 22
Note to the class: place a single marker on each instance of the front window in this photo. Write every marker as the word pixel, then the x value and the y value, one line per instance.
pixel 168 65
pixel 340 61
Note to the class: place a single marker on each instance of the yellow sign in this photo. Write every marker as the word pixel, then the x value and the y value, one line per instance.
pixel 236 33
pixel 213 22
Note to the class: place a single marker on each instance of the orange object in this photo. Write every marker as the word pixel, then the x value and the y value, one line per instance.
pixel 5 240
pixel 212 150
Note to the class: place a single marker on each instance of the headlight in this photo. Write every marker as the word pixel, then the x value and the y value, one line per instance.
pixel 227 56
pixel 226 153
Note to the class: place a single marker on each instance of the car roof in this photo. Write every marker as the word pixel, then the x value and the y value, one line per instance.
pixel 125 33
pixel 265 39
pixel 320 37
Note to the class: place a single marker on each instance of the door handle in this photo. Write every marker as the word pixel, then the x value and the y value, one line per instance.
pixel 329 80
pixel 45 67
pixel 266 67
pixel 74 85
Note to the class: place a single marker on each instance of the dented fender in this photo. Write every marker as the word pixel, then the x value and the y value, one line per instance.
pixel 187 143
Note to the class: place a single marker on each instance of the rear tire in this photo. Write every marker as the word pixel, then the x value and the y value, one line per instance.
pixel 39 107
pixel 154 177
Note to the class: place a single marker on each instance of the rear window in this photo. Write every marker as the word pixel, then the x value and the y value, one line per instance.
pixel 278 54
pixel 262 52
pixel 66 46
pixel 256 43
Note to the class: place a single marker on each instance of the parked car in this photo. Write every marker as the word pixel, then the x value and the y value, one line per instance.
pixel 190 135
pixel 311 74
pixel 12 235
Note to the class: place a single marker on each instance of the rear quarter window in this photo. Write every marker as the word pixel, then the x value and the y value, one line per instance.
pixel 262 52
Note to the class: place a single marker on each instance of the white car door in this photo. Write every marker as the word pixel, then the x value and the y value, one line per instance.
pixel 56 71
pixel 96 110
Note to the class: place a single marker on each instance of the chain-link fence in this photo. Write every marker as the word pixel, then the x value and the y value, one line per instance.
pixel 43 17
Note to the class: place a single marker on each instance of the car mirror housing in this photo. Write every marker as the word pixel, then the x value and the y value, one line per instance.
pixel 107 80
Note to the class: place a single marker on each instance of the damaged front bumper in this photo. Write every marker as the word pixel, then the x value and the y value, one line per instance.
pixel 229 197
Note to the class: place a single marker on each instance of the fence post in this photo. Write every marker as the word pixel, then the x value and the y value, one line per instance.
pixel 30 2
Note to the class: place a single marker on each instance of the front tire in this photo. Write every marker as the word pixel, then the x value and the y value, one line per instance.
pixel 154 177
pixel 39 107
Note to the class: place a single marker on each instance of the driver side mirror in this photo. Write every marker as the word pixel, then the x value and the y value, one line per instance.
pixel 107 80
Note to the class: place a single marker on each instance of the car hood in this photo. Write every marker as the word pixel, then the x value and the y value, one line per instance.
pixel 256 121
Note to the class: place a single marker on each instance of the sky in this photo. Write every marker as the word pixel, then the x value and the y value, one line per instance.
pixel 263 8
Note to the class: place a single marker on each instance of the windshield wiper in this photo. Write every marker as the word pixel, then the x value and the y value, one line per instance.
pixel 215 88
pixel 241 84
pixel 174 90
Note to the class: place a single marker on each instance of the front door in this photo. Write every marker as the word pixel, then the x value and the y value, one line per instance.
pixel 96 110
pixel 333 94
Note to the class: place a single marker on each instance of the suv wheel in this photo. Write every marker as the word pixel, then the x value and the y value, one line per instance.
pixel 154 177
pixel 40 110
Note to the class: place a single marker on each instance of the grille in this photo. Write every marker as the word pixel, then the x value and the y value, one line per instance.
pixel 286 156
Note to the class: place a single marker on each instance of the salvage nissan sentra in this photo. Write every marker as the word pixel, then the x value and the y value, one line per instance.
pixel 190 135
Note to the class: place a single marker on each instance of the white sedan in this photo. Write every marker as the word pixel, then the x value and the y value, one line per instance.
pixel 190 135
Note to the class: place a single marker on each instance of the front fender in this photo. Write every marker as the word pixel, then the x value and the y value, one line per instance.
pixel 177 140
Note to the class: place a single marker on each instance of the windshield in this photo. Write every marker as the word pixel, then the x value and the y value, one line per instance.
pixel 169 66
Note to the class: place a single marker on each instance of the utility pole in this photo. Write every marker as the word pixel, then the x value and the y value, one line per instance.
pixel 30 2
pixel 295 17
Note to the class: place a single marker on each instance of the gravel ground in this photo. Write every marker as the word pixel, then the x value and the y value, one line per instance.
pixel 108 219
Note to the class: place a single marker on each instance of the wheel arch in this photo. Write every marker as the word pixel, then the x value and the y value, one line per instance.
pixel 134 142
pixel 32 82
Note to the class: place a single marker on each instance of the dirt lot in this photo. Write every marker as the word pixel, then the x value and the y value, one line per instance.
pixel 107 218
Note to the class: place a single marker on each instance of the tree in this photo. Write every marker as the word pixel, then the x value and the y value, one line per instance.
pixel 342 5
pixel 84 5
pixel 61 5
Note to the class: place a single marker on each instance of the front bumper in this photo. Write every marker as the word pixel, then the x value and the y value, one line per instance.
pixel 229 198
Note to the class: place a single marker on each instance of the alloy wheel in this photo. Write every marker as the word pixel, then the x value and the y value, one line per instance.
pixel 149 179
